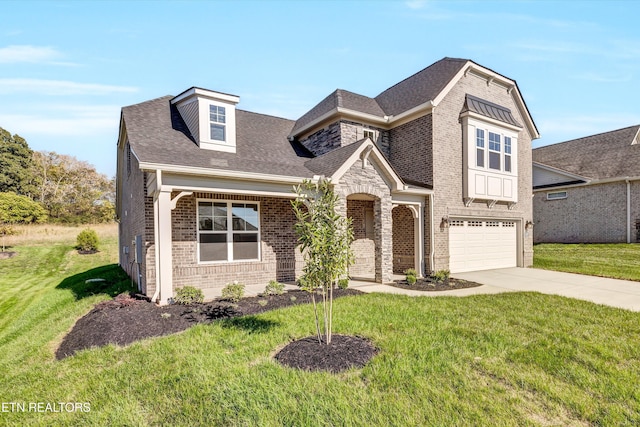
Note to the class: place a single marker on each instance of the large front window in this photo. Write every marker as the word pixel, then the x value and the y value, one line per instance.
pixel 228 231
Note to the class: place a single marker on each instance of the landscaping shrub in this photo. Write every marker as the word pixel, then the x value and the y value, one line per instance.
pixel 441 276
pixel 87 240
pixel 412 276
pixel 233 291
pixel 188 295
pixel 343 283
pixel 274 288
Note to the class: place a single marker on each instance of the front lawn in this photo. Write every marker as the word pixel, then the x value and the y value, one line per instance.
pixel 615 260
pixel 508 359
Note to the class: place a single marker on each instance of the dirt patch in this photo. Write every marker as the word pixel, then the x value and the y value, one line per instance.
pixel 343 353
pixel 428 285
pixel 127 319
pixel 7 255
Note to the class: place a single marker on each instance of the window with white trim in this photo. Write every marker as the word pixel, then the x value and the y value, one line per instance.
pixel 494 151
pixel 228 231
pixel 218 119
pixel 507 154
pixel 480 148
pixel 558 195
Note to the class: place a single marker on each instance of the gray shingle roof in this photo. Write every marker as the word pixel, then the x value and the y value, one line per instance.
pixel 329 163
pixel 601 156
pixel 489 109
pixel 157 134
pixel 340 98
pixel 421 87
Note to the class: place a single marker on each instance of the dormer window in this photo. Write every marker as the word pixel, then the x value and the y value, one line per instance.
pixel 210 117
pixel 217 116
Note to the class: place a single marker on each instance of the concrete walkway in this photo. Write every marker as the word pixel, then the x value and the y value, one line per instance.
pixel 615 293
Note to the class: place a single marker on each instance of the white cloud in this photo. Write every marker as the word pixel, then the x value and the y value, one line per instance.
pixel 60 87
pixel 28 53
pixel 65 120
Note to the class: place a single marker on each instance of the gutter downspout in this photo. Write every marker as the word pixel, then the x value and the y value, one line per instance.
pixel 628 210
pixel 432 244
pixel 156 227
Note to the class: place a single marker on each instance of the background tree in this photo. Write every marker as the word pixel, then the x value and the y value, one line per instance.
pixel 71 190
pixel 16 165
pixel 16 209
pixel 325 238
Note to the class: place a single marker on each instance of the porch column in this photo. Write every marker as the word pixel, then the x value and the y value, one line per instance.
pixel 418 238
pixel 164 258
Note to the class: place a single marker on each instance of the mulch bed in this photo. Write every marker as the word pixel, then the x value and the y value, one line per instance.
pixel 7 255
pixel 88 252
pixel 126 319
pixel 428 285
pixel 343 353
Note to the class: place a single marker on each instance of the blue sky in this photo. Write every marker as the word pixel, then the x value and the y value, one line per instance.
pixel 67 67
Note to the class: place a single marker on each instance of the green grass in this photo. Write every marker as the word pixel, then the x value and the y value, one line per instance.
pixel 508 359
pixel 616 260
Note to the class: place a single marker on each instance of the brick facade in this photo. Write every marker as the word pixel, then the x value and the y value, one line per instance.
pixel 411 150
pixel 589 214
pixel 447 172
pixel 340 134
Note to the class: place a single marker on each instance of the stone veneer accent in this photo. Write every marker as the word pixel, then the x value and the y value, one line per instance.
pixel 589 214
pixel 340 134
pixel 368 180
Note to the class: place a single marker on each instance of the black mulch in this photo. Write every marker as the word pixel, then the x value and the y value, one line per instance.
pixel 125 319
pixel 88 252
pixel 344 352
pixel 428 285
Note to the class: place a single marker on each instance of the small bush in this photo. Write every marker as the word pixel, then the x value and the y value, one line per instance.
pixel 411 272
pixel 411 280
pixel 188 295
pixel 441 276
pixel 87 240
pixel 343 283
pixel 233 291
pixel 274 288
pixel 263 302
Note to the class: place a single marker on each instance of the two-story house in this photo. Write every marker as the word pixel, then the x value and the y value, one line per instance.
pixel 435 173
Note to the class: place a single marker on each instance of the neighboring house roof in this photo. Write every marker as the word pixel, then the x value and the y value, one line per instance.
pixel 606 155
pixel 489 109
pixel 421 87
pixel 340 98
pixel 158 135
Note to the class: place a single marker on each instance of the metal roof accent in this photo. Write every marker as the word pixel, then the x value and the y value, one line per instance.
pixel 489 109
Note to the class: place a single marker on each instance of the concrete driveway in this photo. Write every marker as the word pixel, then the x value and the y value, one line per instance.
pixel 616 293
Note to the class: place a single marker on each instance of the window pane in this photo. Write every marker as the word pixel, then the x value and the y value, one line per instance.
pixel 494 160
pixel 507 145
pixel 217 132
pixel 220 223
pixel 213 247
pixel 494 141
pixel 220 209
pixel 479 138
pixel 479 157
pixel 204 208
pixel 245 216
pixel 206 223
pixel 245 246
pixel 507 163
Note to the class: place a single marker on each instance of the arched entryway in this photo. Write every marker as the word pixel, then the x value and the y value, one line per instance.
pixel 361 208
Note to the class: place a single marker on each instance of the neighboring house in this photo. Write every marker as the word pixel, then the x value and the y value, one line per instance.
pixel 434 171
pixel 587 190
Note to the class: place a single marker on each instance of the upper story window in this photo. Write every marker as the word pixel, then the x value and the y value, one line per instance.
pixel 494 151
pixel 507 154
pixel 480 148
pixel 217 116
pixel 369 134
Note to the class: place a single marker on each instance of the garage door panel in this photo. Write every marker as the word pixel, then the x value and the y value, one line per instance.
pixel 482 245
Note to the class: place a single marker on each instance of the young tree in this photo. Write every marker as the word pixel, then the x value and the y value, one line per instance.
pixel 325 238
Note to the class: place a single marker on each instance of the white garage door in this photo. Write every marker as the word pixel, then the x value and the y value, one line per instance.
pixel 482 244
